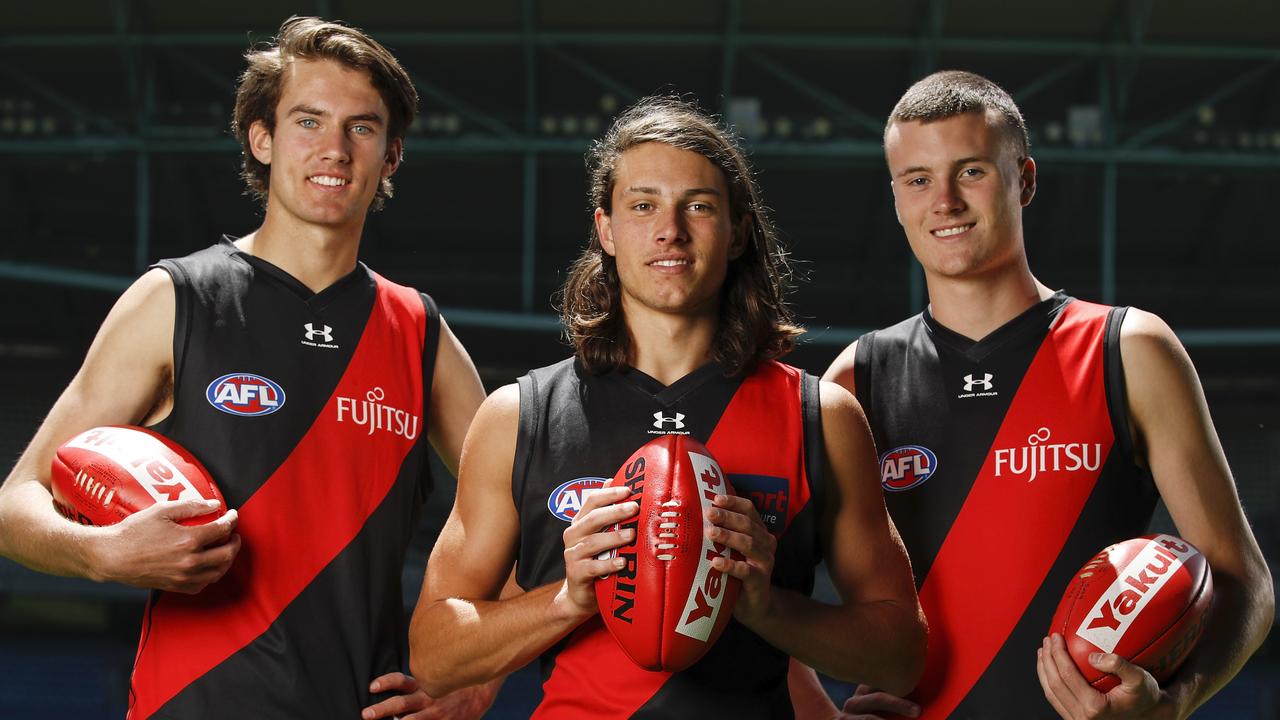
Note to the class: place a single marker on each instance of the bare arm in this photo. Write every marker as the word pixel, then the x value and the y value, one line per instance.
pixel 456 394
pixel 877 633
pixel 1175 435
pixel 461 633
pixel 125 379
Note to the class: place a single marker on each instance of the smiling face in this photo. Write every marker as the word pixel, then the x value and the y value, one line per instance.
pixel 670 231
pixel 959 188
pixel 330 148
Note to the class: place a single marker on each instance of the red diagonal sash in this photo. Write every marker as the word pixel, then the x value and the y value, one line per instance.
pixel 1012 526
pixel 288 529
pixel 760 432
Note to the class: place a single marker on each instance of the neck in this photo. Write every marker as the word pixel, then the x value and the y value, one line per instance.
pixel 667 347
pixel 316 256
pixel 975 306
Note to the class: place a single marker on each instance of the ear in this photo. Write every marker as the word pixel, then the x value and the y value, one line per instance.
pixel 395 155
pixel 604 231
pixel 741 236
pixel 1028 180
pixel 260 142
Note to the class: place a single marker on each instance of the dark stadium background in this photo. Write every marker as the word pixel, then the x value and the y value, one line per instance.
pixel 1156 126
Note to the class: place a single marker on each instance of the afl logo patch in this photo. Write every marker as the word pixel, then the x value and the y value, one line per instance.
pixel 245 394
pixel 905 467
pixel 566 500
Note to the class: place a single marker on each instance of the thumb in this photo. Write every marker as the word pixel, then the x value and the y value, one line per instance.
pixel 1131 676
pixel 183 509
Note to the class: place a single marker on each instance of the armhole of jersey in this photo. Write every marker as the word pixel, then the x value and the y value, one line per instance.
pixel 181 328
pixel 526 431
pixel 430 348
pixel 814 453
pixel 862 370
pixel 1113 371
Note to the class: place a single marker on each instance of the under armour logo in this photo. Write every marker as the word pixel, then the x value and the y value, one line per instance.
pixel 325 335
pixel 970 382
pixel 659 420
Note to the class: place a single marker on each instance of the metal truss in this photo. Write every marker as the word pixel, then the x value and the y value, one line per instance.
pixel 1115 61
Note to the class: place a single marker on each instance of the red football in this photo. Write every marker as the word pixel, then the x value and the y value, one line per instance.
pixel 106 474
pixel 667 606
pixel 1143 599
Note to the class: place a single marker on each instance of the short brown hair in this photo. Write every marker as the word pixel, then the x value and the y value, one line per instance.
pixel 948 93
pixel 309 38
pixel 755 322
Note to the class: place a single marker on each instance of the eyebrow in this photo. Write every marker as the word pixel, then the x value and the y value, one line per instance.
pixel 645 190
pixel 953 163
pixel 363 117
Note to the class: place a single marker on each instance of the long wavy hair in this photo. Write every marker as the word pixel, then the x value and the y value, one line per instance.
pixel 309 38
pixel 755 322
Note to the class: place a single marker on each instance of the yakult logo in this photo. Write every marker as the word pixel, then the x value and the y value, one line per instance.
pixel 1133 588
pixel 707 594
pixel 373 413
pixel 1039 455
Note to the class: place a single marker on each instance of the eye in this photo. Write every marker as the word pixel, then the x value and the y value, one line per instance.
pixel 309 123
pixel 362 130
pixel 972 172
pixel 642 206
pixel 701 208
pixel 917 182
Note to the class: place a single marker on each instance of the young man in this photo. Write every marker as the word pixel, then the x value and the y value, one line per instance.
pixel 676 313
pixel 290 604
pixel 960 396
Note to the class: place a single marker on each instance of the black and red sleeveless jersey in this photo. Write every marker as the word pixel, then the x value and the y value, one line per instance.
pixel 309 411
pixel 576 429
pixel 1007 463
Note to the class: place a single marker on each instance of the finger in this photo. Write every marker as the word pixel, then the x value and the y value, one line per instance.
pixel 183 509
pixel 1047 682
pixel 218 557
pixel 874 701
pixel 734 520
pixel 603 497
pixel 599 518
pixel 759 547
pixel 215 531
pixel 1085 694
pixel 1132 677
pixel 394 682
pixel 395 706
pixel 598 543
pixel 594 568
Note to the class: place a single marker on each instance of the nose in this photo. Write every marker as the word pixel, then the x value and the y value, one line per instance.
pixel 671 226
pixel 336 146
pixel 947 199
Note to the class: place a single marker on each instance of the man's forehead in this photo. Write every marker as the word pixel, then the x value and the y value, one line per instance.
pixel 655 165
pixel 313 77
pixel 965 135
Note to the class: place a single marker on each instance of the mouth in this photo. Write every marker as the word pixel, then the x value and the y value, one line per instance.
pixel 954 230
pixel 328 180
pixel 670 262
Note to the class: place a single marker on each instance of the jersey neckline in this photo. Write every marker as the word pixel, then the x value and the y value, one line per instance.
pixel 670 394
pixel 1029 320
pixel 317 301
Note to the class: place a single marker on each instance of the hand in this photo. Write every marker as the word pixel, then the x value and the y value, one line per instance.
pixel 866 702
pixel 150 549
pixel 738 525
pixel 584 542
pixel 413 704
pixel 1137 695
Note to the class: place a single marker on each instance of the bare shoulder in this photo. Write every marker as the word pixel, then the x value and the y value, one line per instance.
pixel 841 369
pixel 839 405
pixel 1146 338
